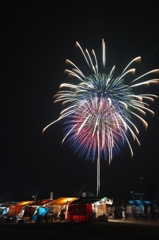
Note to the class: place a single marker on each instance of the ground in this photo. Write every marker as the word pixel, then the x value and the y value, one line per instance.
pixel 114 229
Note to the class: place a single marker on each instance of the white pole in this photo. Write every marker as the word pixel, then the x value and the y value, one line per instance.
pixel 98 165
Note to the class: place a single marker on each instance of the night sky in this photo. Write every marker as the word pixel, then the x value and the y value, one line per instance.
pixel 36 38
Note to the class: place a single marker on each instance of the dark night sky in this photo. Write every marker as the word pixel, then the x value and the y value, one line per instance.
pixel 36 38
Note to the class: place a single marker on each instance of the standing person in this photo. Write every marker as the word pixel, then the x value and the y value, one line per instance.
pixel 154 213
pixel 127 211
pixel 123 210
pixel 112 211
pixel 140 213
pixel 157 212
pixel 148 212
pixel 130 212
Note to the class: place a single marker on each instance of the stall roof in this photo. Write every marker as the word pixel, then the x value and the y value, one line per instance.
pixel 24 203
pixel 63 201
pixel 41 203
pixel 92 200
pixel 8 204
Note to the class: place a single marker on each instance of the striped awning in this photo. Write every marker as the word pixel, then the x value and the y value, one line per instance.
pixel 140 202
pixel 13 211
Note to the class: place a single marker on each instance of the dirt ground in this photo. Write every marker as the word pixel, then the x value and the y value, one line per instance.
pixel 114 229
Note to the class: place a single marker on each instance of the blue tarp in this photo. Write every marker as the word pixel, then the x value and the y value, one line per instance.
pixel 4 211
pixel 40 212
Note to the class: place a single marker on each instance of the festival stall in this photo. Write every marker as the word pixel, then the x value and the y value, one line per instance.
pixel 4 208
pixel 15 210
pixel 37 210
pixel 59 207
pixel 88 209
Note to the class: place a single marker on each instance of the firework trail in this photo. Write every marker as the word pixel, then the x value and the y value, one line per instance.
pixel 99 108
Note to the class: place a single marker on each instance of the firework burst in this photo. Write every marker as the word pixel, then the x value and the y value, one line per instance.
pixel 99 108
